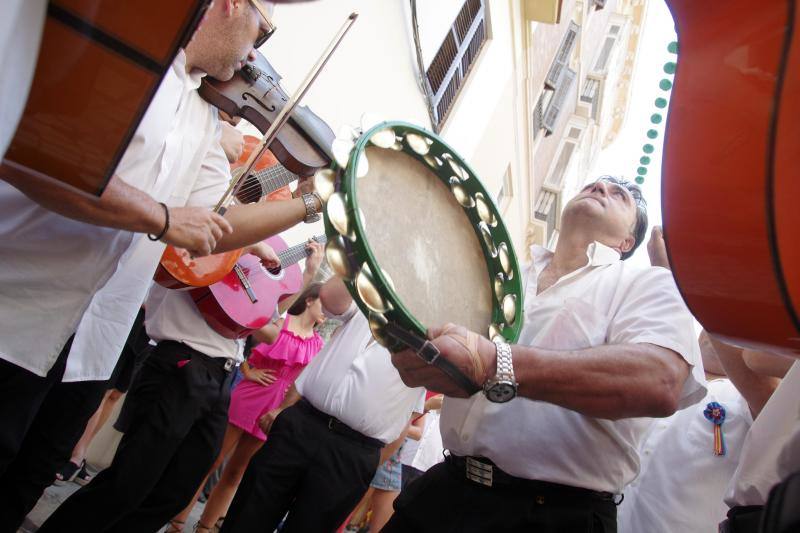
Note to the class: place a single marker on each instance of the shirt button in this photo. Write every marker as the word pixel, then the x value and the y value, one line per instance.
pixel 465 437
pixel 647 452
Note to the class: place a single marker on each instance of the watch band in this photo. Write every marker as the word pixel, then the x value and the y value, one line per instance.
pixel 505 365
pixel 312 215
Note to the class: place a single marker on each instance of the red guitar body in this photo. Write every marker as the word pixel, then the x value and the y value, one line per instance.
pixel 228 307
pixel 731 178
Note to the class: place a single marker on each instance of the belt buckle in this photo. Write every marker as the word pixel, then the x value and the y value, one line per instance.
pixel 229 365
pixel 479 472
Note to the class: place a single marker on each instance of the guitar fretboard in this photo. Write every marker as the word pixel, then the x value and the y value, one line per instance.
pixel 297 252
pixel 264 182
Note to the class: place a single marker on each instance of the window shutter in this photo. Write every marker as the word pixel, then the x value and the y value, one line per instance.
pixel 558 100
pixel 561 61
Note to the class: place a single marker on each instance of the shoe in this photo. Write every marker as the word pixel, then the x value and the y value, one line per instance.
pixel 83 477
pixel 67 473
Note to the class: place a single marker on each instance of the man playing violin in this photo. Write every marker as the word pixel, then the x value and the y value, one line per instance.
pixel 55 261
pixel 604 348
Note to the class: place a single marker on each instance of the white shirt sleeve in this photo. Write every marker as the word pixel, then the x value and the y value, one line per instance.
pixel 213 177
pixel 653 312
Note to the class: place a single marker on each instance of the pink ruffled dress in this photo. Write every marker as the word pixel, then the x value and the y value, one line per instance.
pixel 286 357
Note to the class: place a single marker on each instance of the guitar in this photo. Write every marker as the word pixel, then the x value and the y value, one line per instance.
pixel 730 178
pixel 178 270
pixel 245 299
pixel 100 64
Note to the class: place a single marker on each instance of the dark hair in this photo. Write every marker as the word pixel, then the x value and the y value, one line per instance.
pixel 299 305
pixel 640 226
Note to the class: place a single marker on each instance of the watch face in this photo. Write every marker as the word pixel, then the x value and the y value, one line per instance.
pixel 501 392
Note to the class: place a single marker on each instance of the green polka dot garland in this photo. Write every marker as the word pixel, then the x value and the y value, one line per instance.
pixel 657 118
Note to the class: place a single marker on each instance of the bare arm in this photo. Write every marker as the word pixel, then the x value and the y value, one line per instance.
pixel 255 222
pixel 124 207
pixel 335 296
pixel 610 381
pixel 388 450
pixel 417 426
pixel 268 418
pixel 755 388
pixel 767 364
pixel 121 206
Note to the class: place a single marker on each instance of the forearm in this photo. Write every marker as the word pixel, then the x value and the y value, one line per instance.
pixel 121 206
pixel 255 222
pixel 612 381
pixel 755 388
pixel 393 446
pixel 291 398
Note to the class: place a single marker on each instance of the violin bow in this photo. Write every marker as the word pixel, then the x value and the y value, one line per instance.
pixel 285 113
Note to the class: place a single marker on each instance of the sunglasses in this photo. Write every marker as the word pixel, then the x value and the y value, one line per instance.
pixel 263 34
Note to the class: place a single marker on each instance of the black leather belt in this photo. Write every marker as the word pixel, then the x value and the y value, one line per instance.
pixel 337 426
pixel 484 472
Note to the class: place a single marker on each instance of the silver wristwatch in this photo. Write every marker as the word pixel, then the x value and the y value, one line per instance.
pixel 502 387
pixel 312 215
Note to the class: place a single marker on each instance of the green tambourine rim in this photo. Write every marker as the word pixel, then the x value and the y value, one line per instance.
pixel 358 251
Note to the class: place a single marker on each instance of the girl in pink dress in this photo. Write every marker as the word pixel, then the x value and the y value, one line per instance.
pixel 286 348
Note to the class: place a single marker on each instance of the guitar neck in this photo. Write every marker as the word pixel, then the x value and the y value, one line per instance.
pixel 273 178
pixel 297 252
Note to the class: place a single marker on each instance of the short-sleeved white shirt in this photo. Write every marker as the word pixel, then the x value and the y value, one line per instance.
pixel 353 379
pixel 682 482
pixel 51 266
pixel 772 447
pixel 605 302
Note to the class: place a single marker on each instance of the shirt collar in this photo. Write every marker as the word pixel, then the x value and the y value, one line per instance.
pixel 598 254
pixel 191 79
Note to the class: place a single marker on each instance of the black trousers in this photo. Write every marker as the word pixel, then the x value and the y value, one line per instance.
pixel 443 500
pixel 42 420
pixel 316 474
pixel 176 433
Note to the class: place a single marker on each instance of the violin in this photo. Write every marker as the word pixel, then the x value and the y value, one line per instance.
pixel 303 144
pixel 299 139
pixel 730 178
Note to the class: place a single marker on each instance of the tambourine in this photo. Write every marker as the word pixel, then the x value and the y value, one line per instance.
pixel 418 240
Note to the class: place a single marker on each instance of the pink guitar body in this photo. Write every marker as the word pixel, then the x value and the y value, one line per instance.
pixel 228 306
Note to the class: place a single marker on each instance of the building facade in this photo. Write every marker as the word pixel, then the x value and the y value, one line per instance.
pixel 527 103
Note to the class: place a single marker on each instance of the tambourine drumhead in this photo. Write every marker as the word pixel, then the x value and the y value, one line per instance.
pixel 421 238
pixel 416 237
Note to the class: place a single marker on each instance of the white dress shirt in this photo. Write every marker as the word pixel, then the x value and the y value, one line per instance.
pixel 20 35
pixel 681 481
pixel 353 380
pixel 430 451
pixel 605 302
pixel 171 315
pixel 51 266
pixel 772 447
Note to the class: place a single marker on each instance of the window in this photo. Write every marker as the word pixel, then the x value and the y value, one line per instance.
pixel 546 210
pixel 506 191
pixel 608 46
pixel 561 60
pixel 455 57
pixel 557 102
pixel 590 95
pixel 555 179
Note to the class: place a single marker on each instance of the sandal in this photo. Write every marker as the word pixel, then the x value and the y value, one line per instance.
pixel 175 526
pixel 83 477
pixel 67 473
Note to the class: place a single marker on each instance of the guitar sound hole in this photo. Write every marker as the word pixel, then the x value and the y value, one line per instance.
pixel 274 270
